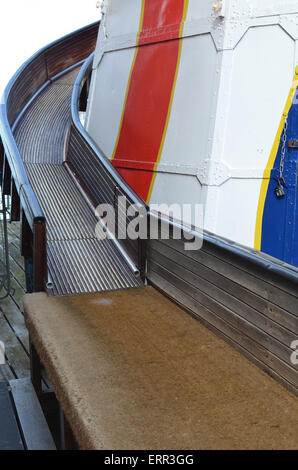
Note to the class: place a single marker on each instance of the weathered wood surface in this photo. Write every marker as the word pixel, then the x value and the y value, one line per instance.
pixel 13 332
pixel 250 311
pixel 10 438
pixel 160 380
pixel 35 430
pixel 6 373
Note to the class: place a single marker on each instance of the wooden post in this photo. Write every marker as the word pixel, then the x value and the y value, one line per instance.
pixel 39 256
pixel 68 441
pixel 6 185
pixel 15 203
pixel 35 367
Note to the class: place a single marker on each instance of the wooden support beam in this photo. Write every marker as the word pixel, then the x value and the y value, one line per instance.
pixel 35 429
pixel 10 438
pixel 15 203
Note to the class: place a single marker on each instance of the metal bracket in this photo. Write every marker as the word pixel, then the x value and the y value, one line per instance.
pixel 293 143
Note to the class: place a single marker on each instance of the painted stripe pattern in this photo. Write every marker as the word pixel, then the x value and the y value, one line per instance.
pixel 267 188
pixel 149 94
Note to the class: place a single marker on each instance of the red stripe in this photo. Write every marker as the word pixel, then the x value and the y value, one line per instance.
pixel 159 14
pixel 149 95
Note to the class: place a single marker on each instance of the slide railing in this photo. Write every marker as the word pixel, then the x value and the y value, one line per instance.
pixel 32 77
pixel 99 179
pixel 96 175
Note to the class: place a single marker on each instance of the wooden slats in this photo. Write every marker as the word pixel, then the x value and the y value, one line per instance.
pixel 252 312
pixel 33 423
pixel 13 331
pixel 249 266
pixel 5 373
pixel 15 319
pixel 242 277
pixel 16 355
pixel 213 278
pixel 71 50
pixel 62 54
pixel 10 438
pixel 98 183
pixel 25 87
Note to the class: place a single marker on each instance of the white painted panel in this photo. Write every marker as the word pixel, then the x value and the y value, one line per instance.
pixel 269 7
pixel 198 9
pixel 109 89
pixel 236 210
pixel 123 17
pixel 188 130
pixel 262 75
pixel 256 8
pixel 177 189
pixel 210 195
pixel 227 134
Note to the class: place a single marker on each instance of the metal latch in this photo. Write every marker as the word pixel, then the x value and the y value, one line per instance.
pixel 279 190
pixel 293 143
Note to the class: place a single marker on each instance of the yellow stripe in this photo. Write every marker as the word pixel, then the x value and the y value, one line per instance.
pixel 185 10
pixel 129 78
pixel 267 172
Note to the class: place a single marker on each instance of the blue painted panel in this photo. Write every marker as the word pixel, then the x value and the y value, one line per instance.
pixel 295 229
pixel 279 229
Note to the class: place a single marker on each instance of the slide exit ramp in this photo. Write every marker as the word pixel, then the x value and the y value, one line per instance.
pixel 57 178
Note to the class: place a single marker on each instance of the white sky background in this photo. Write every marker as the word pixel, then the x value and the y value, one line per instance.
pixel 28 25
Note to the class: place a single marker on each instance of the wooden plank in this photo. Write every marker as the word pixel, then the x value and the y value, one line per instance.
pixel 14 241
pixel 269 292
pixel 6 373
pixel 286 372
pixel 15 353
pixel 26 238
pixel 283 351
pixel 233 342
pixel 10 438
pixel 14 228
pixel 6 181
pixel 229 296
pixel 257 271
pixel 15 318
pixel 35 429
pixel 15 210
pixel 15 253
pixel 17 293
pixel 18 279
pixel 13 238
pixel 268 309
pixel 16 271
